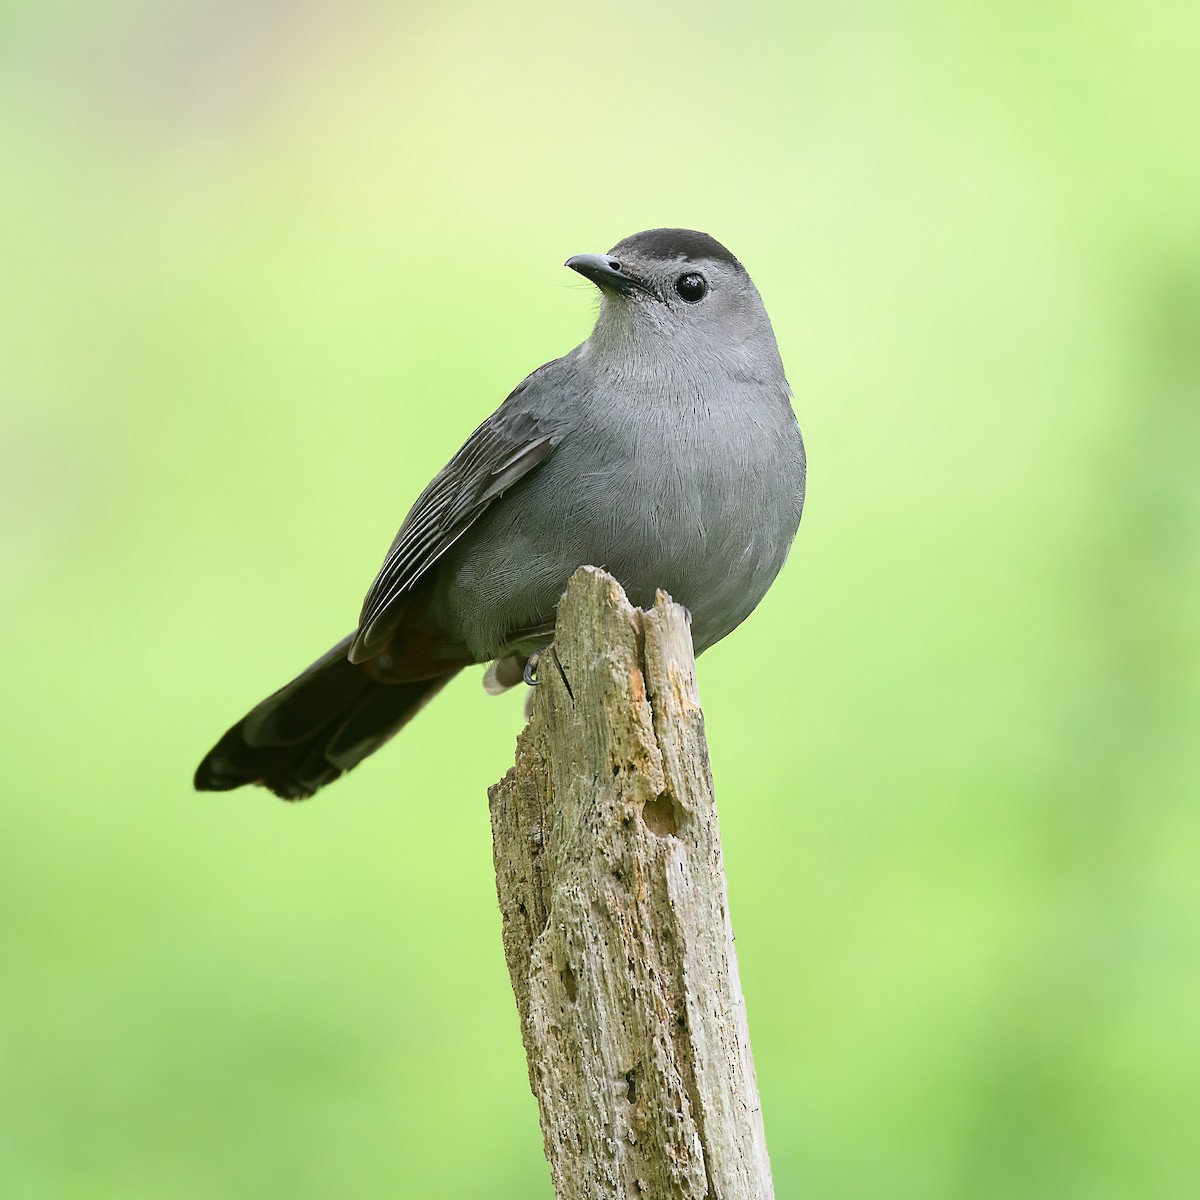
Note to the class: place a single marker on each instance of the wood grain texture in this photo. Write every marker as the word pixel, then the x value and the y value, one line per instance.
pixel 616 924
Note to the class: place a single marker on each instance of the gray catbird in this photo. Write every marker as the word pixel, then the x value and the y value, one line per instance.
pixel 664 449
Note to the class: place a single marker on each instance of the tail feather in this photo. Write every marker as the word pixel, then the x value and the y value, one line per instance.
pixel 314 729
pixel 302 706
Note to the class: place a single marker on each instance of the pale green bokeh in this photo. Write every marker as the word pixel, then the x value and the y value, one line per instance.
pixel 265 265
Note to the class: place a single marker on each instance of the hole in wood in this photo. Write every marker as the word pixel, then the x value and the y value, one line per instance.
pixel 659 815
pixel 569 982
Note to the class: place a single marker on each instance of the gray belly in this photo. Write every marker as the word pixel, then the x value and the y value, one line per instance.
pixel 710 533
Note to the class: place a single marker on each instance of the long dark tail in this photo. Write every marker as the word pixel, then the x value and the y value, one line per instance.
pixel 322 724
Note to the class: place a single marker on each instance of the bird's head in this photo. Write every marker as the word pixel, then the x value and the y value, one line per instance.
pixel 678 292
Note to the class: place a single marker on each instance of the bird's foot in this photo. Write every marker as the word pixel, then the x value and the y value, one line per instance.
pixel 531 667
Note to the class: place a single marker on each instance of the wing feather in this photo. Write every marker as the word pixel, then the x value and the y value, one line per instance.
pixel 503 450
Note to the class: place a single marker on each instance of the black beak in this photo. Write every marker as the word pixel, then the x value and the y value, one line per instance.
pixel 607 272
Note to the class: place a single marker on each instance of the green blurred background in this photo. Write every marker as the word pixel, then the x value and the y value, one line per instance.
pixel 266 264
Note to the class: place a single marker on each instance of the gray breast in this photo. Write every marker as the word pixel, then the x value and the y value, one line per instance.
pixel 702 504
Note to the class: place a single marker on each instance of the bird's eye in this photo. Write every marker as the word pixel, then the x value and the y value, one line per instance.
pixel 691 287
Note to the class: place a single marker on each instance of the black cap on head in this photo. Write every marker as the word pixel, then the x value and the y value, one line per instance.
pixel 669 245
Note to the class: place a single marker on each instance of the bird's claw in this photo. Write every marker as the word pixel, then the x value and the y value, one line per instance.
pixel 530 672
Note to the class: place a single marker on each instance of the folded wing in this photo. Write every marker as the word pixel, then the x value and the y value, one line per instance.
pixel 504 449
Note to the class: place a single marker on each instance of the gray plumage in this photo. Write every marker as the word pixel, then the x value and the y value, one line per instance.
pixel 664 448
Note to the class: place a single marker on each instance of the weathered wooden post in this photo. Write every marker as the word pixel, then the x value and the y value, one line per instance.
pixel 616 922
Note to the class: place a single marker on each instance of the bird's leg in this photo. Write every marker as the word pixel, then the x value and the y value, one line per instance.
pixel 534 662
pixel 531 666
pixel 531 674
